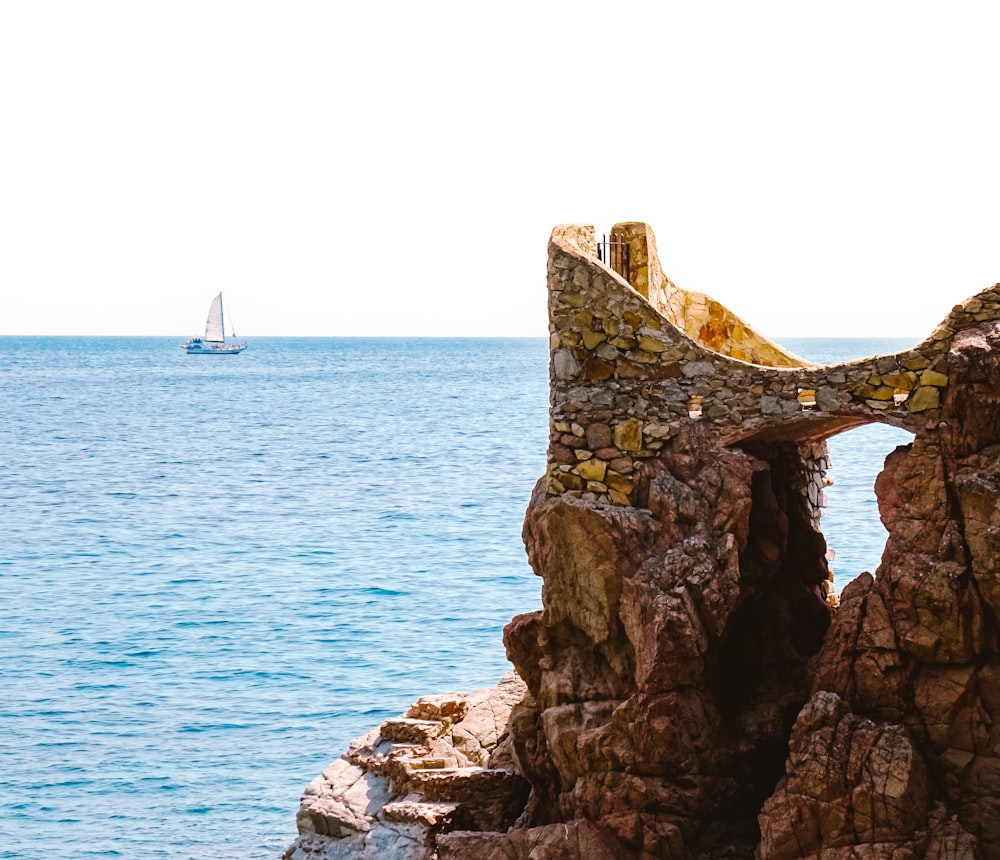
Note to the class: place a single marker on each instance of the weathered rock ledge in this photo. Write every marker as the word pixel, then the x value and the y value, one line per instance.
pixel 444 764
pixel 691 688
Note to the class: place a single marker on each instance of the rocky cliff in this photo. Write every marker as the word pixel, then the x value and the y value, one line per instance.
pixel 691 688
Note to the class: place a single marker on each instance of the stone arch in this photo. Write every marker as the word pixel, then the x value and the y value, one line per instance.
pixel 812 442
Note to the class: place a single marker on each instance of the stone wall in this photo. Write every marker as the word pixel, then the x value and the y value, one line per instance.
pixel 625 377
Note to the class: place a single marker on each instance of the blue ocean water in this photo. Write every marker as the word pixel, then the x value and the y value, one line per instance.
pixel 216 571
pixel 851 522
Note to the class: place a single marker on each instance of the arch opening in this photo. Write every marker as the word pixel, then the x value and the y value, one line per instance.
pixel 852 525
pixel 761 679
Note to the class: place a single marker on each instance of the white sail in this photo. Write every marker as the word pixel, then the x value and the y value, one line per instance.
pixel 214 332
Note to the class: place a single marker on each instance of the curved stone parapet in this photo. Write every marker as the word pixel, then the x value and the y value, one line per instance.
pixel 632 364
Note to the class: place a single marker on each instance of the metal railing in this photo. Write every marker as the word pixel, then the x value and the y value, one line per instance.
pixel 615 255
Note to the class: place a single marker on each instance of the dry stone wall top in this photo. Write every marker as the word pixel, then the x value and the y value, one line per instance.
pixel 634 361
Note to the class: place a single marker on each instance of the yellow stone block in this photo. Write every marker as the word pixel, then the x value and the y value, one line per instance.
pixel 628 435
pixel 899 380
pixel 618 482
pixel 925 397
pixel 651 344
pixel 918 362
pixel 553 341
pixel 619 498
pixel 570 338
pixel 592 338
pixel 593 469
pixel 585 318
pixel 932 377
pixel 632 319
pixel 571 481
pixel 864 390
pixel 574 300
pixel 883 392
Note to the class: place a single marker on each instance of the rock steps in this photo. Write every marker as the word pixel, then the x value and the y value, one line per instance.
pixel 419 774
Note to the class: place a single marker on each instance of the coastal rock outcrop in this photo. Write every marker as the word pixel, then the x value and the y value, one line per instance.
pixel 443 764
pixel 692 688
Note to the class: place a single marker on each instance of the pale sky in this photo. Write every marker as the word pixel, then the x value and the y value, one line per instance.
pixel 395 168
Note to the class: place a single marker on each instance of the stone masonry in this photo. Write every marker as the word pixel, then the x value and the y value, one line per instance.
pixel 633 363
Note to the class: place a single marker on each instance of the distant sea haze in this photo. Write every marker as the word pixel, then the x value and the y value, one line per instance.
pixel 217 570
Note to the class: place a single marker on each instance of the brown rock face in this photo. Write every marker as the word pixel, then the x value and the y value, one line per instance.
pixel 850 781
pixel 916 647
pixel 671 658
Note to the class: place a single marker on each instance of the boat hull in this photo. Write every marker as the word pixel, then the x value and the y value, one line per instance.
pixel 202 348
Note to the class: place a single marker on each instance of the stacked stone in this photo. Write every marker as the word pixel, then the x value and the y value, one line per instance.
pixel 816 459
pixel 624 378
pixel 915 377
pixel 816 462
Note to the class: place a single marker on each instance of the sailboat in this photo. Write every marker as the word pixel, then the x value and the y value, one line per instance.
pixel 214 341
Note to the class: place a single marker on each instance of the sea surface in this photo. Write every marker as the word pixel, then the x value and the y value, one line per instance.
pixel 217 570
